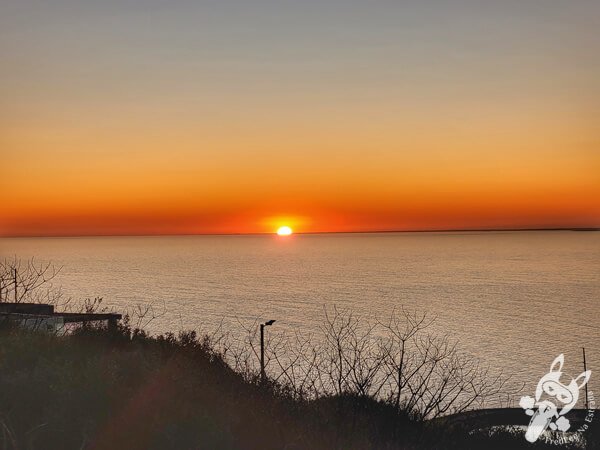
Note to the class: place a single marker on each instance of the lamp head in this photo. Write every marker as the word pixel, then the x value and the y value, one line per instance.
pixel 269 322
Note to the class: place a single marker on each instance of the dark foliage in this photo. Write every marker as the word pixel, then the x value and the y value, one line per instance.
pixel 101 389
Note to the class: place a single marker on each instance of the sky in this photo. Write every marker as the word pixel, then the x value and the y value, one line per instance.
pixel 183 117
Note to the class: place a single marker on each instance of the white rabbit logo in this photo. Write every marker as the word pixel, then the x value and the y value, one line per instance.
pixel 549 413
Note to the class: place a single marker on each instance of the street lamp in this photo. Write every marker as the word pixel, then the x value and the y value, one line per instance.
pixel 262 348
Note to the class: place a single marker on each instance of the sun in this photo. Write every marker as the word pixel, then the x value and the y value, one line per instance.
pixel 284 231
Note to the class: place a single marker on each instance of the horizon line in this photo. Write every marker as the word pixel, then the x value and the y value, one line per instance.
pixel 442 230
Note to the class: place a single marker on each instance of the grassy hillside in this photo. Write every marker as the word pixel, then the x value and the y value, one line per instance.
pixel 123 389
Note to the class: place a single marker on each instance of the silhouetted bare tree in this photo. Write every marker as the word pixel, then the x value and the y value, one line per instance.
pixel 27 281
pixel 397 360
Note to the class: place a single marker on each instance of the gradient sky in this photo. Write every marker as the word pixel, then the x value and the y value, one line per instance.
pixel 143 117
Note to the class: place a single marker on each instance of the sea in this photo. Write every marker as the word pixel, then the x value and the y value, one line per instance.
pixel 515 300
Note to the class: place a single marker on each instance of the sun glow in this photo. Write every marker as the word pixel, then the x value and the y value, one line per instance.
pixel 284 231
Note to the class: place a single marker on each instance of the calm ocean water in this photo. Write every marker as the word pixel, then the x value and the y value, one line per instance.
pixel 514 299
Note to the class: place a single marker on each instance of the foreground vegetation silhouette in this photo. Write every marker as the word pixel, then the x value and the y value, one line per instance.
pixel 124 389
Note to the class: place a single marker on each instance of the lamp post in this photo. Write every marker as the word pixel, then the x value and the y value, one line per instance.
pixel 262 348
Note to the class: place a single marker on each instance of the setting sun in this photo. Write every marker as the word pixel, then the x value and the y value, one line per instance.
pixel 284 231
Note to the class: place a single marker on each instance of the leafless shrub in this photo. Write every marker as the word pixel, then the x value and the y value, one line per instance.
pixel 397 360
pixel 91 306
pixel 141 316
pixel 27 281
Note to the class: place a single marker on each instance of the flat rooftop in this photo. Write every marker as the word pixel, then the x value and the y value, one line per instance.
pixel 42 310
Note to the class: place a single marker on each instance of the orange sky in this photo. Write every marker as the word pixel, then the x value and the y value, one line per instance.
pixel 137 124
